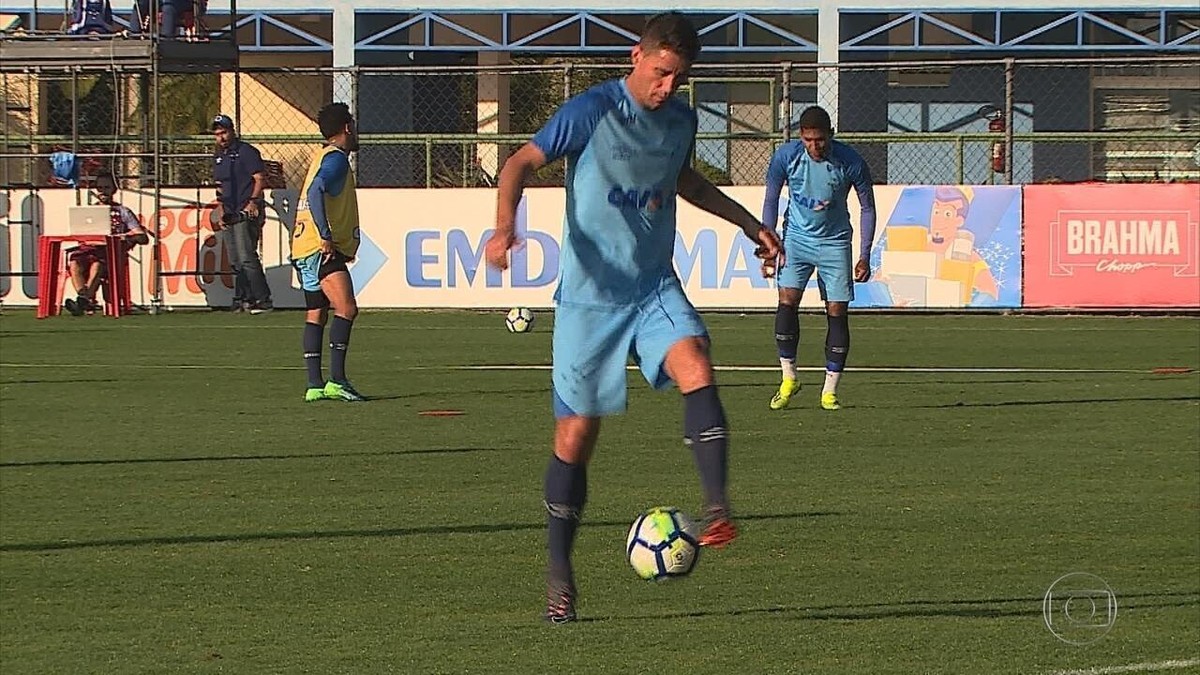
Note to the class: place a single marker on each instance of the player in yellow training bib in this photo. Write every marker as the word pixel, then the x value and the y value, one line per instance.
pixel 324 240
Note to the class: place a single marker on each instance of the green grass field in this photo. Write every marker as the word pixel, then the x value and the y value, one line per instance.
pixel 169 505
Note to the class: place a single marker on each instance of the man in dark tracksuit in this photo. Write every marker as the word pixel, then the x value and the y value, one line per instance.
pixel 239 172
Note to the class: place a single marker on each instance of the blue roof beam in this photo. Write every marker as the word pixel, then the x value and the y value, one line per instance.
pixel 581 31
pixel 1150 30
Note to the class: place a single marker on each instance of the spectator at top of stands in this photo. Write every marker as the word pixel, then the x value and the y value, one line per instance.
pixel 172 14
pixel 91 17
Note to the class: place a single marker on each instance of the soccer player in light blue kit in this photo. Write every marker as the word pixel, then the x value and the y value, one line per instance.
pixel 628 143
pixel 819 173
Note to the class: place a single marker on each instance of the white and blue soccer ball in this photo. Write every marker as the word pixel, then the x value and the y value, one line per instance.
pixel 519 320
pixel 663 543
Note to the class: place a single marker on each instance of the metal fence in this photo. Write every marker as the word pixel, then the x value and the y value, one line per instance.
pixel 978 122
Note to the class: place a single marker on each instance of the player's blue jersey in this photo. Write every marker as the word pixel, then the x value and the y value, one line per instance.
pixel 623 162
pixel 817 190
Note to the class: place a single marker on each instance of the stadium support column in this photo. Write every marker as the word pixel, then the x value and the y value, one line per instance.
pixel 828 40
pixel 492 111
pixel 865 92
pixel 345 82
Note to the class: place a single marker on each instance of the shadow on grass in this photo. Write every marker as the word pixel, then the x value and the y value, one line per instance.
pixel 243 458
pixel 483 528
pixel 990 608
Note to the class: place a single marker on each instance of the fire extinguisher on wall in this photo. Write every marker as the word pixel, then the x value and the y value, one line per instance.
pixel 995 118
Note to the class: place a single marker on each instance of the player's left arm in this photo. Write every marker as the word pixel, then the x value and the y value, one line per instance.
pixel 864 187
pixel 702 194
pixel 566 135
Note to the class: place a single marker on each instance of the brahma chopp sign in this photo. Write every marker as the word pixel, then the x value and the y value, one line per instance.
pixel 1102 245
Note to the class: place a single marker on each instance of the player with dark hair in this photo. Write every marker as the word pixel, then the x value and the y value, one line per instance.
pixel 819 173
pixel 628 143
pixel 324 239
pixel 86 263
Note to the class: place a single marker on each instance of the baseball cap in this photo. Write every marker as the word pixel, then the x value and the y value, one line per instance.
pixel 222 120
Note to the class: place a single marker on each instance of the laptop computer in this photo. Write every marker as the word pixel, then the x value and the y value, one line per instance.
pixel 89 220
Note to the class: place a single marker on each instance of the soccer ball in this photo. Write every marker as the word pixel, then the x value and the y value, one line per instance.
pixel 662 543
pixel 519 320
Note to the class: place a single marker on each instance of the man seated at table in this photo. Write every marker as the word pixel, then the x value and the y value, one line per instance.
pixel 86 263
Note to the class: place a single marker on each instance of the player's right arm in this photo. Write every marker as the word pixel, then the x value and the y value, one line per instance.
pixel 565 135
pixel 517 170
pixel 776 177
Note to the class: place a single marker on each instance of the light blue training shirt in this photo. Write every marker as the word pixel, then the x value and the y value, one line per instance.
pixel 818 190
pixel 623 163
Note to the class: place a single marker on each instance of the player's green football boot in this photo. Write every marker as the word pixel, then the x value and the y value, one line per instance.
pixel 830 402
pixel 342 391
pixel 787 389
pixel 314 394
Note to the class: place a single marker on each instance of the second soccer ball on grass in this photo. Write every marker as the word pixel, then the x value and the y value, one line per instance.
pixel 519 320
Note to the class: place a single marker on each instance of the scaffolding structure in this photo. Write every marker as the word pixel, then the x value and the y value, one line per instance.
pixel 37 55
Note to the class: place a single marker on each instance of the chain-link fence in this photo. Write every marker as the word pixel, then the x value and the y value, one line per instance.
pixel 1112 122
pixel 979 122
pixel 1023 122
pixel 107 118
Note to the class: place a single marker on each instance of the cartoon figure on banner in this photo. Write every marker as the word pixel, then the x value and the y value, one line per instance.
pixel 949 246
pixel 951 241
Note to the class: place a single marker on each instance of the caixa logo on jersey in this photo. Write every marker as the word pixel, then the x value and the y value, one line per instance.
pixel 812 203
pixel 633 198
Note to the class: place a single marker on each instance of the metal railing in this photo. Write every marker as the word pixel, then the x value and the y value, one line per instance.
pixel 1136 119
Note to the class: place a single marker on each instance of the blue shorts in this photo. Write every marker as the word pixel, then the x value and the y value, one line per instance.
pixel 593 344
pixel 830 259
pixel 312 269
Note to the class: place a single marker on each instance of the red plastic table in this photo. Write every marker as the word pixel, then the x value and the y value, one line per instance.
pixel 117 296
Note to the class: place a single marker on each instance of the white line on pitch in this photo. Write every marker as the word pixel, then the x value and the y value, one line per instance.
pixel 861 369
pixel 509 367
pixel 1132 668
